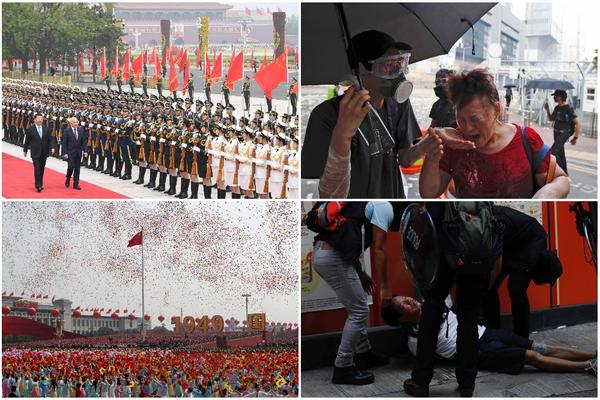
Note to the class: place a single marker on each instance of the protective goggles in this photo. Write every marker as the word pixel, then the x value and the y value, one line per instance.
pixel 390 67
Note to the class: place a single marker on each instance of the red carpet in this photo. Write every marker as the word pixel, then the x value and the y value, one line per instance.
pixel 18 183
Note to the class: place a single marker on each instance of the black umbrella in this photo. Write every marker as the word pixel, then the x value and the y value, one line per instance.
pixel 430 28
pixel 548 83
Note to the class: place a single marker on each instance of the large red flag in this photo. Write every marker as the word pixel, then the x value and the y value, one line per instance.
pixel 269 77
pixel 182 60
pixel 137 66
pixel 236 70
pixel 136 240
pixel 115 70
pixel 186 75
pixel 217 71
pixel 81 64
pixel 127 64
pixel 173 82
pixel 206 65
pixel 103 63
pixel 197 53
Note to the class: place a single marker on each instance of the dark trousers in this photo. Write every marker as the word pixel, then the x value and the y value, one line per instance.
pixel 269 104
pixel 38 171
pixel 293 101
pixel 73 169
pixel 469 294
pixel 226 96
pixel 247 100
pixel 558 148
pixel 518 282
pixel 191 93
pixel 145 89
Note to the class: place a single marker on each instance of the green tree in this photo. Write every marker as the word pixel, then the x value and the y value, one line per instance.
pixel 291 25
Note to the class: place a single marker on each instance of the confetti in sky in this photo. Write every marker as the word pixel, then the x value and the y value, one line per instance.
pixel 198 257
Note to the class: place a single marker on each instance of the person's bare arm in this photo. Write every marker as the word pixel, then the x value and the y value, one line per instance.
pixel 380 261
pixel 548 113
pixel 335 180
pixel 575 136
pixel 433 181
pixel 558 188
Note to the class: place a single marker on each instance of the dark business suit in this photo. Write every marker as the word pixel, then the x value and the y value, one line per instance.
pixel 74 148
pixel 40 150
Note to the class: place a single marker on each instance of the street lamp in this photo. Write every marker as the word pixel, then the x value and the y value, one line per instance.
pixel 246 296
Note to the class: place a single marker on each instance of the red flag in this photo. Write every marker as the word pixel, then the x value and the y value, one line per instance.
pixel 173 82
pixel 248 11
pixel 186 75
pixel 103 63
pixel 115 70
pixel 138 66
pixel 33 296
pixel 206 65
pixel 236 70
pixel 118 311
pixel 39 296
pixel 90 55
pixel 81 64
pixel 152 59
pixel 217 71
pixel 270 76
pixel 182 60
pixel 136 240
pixel 45 296
pixel 295 88
pixel 127 64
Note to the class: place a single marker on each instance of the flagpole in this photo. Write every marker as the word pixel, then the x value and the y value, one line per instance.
pixel 143 309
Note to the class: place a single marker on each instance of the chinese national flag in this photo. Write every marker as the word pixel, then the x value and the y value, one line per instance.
pixel 103 63
pixel 81 64
pixel 269 77
pixel 236 70
pixel 153 56
pixel 137 66
pixel 173 82
pixel 136 240
pixel 206 65
pixel 217 70
pixel 126 64
pixel 186 76
pixel 115 70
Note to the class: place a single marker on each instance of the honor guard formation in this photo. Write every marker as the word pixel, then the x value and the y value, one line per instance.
pixel 166 137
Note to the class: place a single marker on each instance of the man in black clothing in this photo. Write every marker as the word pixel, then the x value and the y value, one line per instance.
pixel 524 250
pixel 469 292
pixel 37 137
pixel 361 139
pixel 442 112
pixel 566 125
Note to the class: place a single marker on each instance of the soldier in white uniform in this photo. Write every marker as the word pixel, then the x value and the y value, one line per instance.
pixel 263 149
pixel 215 146
pixel 293 181
pixel 277 163
pixel 231 164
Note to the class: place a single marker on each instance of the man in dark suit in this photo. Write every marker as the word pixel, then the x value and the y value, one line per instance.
pixel 37 137
pixel 74 141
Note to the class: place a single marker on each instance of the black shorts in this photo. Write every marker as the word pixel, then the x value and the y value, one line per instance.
pixel 502 351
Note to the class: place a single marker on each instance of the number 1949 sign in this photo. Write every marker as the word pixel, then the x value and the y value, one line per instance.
pixel 201 324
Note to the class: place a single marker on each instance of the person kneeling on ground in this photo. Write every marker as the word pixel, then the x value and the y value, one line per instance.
pixel 499 350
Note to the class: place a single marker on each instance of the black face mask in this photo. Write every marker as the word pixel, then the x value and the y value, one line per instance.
pixel 440 92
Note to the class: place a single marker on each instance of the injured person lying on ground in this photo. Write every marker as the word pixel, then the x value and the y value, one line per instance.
pixel 499 350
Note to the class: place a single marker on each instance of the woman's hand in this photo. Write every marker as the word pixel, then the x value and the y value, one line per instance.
pixel 452 138
pixel 433 147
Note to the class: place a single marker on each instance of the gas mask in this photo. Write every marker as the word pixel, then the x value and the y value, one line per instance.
pixel 440 91
pixel 391 72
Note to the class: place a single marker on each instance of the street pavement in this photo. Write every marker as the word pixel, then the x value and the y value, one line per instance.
pixel 582 159
pixel 530 383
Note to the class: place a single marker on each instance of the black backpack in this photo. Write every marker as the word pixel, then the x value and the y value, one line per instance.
pixel 472 236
